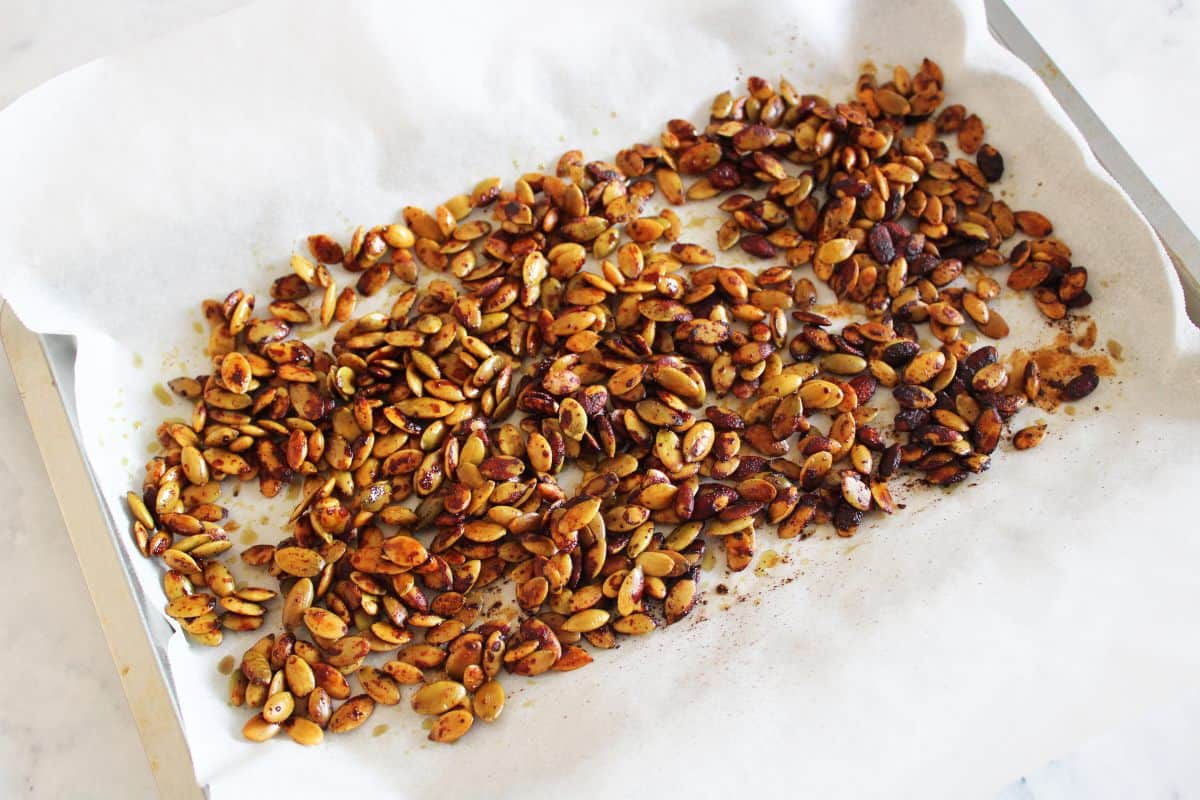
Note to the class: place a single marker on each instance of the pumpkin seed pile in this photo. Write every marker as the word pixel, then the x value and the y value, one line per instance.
pixel 702 403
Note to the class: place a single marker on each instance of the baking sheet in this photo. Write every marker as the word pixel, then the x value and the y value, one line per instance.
pixel 939 652
pixel 44 369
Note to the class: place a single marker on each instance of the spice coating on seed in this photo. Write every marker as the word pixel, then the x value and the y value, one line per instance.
pixel 569 324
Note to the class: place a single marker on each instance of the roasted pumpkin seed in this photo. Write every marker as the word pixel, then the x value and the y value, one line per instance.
pixel 413 490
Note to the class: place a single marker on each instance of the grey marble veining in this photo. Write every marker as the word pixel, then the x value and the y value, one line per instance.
pixel 65 729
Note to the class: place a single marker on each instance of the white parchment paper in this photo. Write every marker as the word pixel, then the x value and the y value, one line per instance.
pixel 938 653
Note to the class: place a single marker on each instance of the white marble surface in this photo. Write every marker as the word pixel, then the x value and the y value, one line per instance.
pixel 67 732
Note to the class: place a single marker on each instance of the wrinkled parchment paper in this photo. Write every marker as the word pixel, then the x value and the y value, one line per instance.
pixel 939 653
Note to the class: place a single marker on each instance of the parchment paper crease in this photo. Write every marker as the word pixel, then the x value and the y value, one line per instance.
pixel 938 653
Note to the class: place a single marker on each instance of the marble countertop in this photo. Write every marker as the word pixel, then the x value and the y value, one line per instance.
pixel 69 733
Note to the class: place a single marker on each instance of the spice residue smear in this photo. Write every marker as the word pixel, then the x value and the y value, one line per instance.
pixel 1062 361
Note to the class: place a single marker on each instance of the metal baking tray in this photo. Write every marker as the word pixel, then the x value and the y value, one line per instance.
pixel 44 367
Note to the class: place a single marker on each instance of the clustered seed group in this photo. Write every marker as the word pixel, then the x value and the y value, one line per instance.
pixel 417 494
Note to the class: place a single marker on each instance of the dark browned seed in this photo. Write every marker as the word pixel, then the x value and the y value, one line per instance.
pixel 1032 380
pixel 1073 284
pixel 1082 384
pixel 987 430
pixel 864 387
pixel 900 352
pixel 501 468
pixel 1031 223
pixel 990 162
pixel 325 249
pixel 946 475
pixel 937 435
pixel 879 241
pixel 1006 404
pixel 1029 275
pixel 846 519
pixel 1083 298
pixel 812 318
pixel 290 287
pixel 724 419
pixel 911 396
pixel 758 246
pixel 889 462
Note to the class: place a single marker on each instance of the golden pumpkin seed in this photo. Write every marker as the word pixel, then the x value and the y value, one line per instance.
pixel 304 731
pixel 488 701
pixel 1028 438
pixel 279 707
pixel 451 726
pixel 820 394
pixel 299 676
pixel 403 672
pixel 381 688
pixel 324 624
pixel 258 729
pixel 634 625
pixel 438 697
pixel 299 561
pixel 351 714
pixel 588 620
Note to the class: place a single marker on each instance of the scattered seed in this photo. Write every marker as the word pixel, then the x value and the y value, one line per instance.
pixel 717 402
pixel 1028 438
